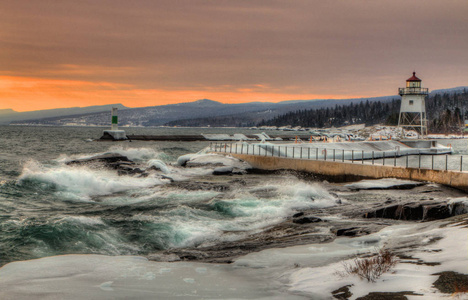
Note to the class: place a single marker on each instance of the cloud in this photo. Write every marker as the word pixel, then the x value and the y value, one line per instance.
pixel 299 47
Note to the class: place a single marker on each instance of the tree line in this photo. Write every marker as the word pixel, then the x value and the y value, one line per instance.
pixel 445 113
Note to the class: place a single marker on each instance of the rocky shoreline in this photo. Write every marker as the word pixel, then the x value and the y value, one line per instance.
pixel 361 209
pixel 358 214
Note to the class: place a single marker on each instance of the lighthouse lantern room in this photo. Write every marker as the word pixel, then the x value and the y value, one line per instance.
pixel 413 107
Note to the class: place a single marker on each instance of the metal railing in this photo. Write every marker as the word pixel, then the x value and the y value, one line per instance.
pixel 413 91
pixel 386 158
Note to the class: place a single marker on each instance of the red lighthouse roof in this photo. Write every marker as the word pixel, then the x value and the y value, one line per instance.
pixel 413 78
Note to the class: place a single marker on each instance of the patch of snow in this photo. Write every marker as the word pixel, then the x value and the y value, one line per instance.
pixel 450 252
pixel 382 184
pixel 129 277
pixel 198 160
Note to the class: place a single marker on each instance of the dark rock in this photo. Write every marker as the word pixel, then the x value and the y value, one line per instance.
pixel 118 164
pixel 342 293
pixel 297 215
pixel 106 158
pixel 352 231
pixel 306 220
pixel 115 161
pixel 191 164
pixel 451 282
pixel 167 177
pixel 127 170
pixel 387 296
pixel 223 171
pixel 459 209
pixel 425 211
pixel 198 185
pixel 437 212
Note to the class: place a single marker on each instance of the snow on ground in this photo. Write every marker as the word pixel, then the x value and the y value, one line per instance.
pixel 307 271
pixel 450 252
pixel 127 277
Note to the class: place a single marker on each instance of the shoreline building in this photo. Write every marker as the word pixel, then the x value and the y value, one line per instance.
pixel 413 107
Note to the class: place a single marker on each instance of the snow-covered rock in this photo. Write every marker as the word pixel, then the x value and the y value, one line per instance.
pixel 211 161
pixel 384 184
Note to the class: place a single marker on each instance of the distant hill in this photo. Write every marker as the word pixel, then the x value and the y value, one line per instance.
pixel 164 114
pixel 7 111
pixel 10 116
pixel 194 113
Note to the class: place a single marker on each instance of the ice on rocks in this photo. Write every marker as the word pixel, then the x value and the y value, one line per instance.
pixel 383 184
pixel 210 160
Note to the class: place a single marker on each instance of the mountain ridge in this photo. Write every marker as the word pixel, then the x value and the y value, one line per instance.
pixel 163 114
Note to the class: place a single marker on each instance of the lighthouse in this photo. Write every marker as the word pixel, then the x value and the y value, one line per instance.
pixel 413 107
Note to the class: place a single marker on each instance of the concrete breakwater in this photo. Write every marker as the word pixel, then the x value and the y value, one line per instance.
pixel 351 171
pixel 200 137
pixel 348 161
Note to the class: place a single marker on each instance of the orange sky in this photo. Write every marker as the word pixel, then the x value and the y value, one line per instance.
pixel 26 94
pixel 58 54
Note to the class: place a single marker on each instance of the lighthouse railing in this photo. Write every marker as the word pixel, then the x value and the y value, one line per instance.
pixel 413 91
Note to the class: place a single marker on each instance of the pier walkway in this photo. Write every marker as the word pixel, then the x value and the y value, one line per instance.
pixel 349 161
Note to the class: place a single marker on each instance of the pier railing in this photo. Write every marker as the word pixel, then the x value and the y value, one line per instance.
pixel 396 157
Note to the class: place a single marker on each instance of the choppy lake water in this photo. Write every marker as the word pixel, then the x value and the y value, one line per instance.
pixel 49 208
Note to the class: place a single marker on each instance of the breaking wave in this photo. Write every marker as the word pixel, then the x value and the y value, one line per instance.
pixel 98 211
pixel 80 182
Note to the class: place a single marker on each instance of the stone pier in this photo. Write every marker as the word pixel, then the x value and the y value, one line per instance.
pixel 351 171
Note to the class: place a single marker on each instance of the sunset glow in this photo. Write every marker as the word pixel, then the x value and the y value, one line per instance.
pixel 26 94
pixel 58 54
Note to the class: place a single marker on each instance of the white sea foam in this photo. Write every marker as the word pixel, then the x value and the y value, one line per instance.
pixel 158 197
pixel 160 165
pixel 136 154
pixel 92 221
pixel 82 182
pixel 236 215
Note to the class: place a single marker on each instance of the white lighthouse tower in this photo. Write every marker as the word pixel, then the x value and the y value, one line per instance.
pixel 413 107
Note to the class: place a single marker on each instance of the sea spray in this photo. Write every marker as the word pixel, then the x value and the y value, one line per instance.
pixel 135 154
pixel 159 165
pixel 81 181
pixel 97 211
pixel 193 218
